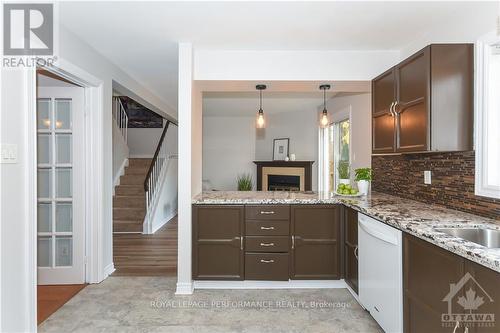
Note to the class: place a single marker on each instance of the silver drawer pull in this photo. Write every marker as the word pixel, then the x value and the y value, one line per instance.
pixel 266 228
pixel 266 244
pixel 266 261
pixel 263 212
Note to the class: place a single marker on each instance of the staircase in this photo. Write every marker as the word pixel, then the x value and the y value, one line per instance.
pixel 129 202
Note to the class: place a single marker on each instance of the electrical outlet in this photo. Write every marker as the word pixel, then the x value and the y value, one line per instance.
pixel 8 153
pixel 427 177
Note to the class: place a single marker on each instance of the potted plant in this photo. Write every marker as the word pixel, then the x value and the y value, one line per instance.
pixel 363 178
pixel 245 182
pixel 343 170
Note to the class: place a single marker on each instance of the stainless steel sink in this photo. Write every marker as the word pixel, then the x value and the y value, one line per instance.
pixel 489 238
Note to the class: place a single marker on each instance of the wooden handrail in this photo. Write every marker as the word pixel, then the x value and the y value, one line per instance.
pixel 155 157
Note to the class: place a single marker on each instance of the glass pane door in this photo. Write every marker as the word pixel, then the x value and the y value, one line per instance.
pixel 55 182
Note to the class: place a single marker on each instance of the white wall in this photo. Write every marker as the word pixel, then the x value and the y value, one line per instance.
pixel 361 137
pixel 120 153
pixel 302 129
pixel 228 150
pixel 291 65
pixel 142 142
pixel 16 281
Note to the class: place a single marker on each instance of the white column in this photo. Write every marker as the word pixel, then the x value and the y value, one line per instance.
pixel 184 277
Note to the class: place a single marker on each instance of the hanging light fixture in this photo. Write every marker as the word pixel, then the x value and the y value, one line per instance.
pixel 323 122
pixel 260 122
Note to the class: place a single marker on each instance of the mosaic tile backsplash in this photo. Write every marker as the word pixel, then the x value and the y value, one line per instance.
pixel 452 180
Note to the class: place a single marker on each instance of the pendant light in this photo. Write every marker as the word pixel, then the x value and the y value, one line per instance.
pixel 323 122
pixel 260 122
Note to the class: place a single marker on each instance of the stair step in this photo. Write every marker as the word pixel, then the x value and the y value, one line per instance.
pixel 127 226
pixel 132 180
pixel 133 162
pixel 129 214
pixel 129 201
pixel 143 170
pixel 129 190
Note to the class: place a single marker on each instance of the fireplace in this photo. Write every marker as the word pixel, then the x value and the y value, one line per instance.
pixel 283 183
pixel 284 175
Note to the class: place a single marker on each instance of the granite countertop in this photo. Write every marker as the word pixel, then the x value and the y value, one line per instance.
pixel 413 217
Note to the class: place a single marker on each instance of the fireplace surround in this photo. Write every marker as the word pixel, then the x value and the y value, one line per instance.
pixel 284 175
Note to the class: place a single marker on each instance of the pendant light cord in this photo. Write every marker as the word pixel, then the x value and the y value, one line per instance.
pixel 260 109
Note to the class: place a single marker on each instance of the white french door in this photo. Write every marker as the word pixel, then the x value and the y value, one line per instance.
pixel 61 185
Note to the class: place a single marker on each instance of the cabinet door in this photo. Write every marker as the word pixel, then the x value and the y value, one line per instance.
pixel 315 242
pixel 428 272
pixel 383 122
pixel 218 242
pixel 351 248
pixel 484 291
pixel 413 107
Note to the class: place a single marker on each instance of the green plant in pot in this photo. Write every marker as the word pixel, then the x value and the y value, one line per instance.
pixel 245 182
pixel 363 177
pixel 343 170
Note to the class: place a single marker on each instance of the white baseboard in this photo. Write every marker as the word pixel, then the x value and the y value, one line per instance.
pixel 166 220
pixel 290 284
pixel 121 172
pixel 184 288
pixel 108 270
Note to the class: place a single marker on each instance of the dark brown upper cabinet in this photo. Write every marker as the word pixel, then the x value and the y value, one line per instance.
pixel 315 234
pixel 350 219
pixel 218 243
pixel 425 103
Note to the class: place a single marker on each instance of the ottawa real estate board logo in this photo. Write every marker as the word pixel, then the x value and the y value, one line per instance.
pixel 465 299
pixel 28 34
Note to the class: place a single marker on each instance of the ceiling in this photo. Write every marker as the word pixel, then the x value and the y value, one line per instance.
pixel 141 37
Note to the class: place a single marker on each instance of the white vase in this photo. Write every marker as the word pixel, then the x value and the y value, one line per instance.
pixel 363 186
pixel 344 181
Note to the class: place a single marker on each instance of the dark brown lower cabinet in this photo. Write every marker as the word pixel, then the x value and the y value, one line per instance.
pixel 442 291
pixel 350 228
pixel 218 244
pixel 315 233
pixel 266 266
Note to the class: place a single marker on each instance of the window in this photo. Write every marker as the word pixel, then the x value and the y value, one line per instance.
pixel 339 154
pixel 487 122
pixel 335 151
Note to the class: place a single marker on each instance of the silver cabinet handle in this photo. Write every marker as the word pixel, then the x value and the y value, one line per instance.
pixel 266 261
pixel 266 244
pixel 266 228
pixel 391 111
pixel 241 243
pixel 356 250
pixel 263 212
pixel 293 242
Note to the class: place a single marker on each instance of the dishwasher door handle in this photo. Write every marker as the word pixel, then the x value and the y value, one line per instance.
pixel 377 234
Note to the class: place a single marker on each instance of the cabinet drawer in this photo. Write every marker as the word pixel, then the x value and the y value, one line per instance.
pixel 266 266
pixel 266 244
pixel 267 212
pixel 267 228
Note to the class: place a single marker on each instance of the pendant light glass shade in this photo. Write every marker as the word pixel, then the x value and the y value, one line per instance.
pixel 324 121
pixel 260 122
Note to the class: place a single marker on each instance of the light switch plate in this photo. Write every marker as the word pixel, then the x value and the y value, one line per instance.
pixel 427 177
pixel 8 153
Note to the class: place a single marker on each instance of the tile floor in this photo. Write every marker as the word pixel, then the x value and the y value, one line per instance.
pixel 148 304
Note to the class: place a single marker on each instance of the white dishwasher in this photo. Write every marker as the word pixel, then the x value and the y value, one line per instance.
pixel 381 272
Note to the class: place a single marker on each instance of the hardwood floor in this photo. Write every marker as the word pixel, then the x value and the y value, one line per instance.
pixel 51 298
pixel 147 255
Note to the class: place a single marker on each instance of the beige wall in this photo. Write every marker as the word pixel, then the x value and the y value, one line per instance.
pixel 361 138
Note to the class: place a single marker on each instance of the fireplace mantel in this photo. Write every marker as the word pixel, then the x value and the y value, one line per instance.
pixel 307 165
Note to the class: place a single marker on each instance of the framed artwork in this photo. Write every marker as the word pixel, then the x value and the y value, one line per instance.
pixel 280 149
